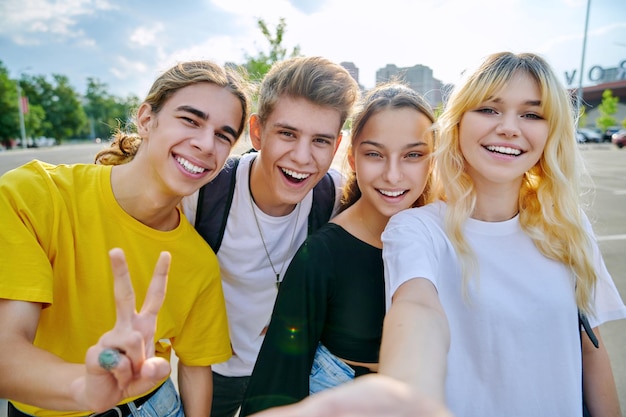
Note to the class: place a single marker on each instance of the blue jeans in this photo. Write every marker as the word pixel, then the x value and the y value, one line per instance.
pixel 164 403
pixel 328 371
pixel 228 393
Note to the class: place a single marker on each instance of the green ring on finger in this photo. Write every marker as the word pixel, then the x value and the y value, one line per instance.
pixel 109 358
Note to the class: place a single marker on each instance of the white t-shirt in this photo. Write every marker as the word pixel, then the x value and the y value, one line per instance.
pixel 515 343
pixel 248 279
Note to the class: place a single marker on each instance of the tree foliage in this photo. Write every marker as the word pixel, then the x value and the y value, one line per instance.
pixel 607 109
pixel 257 66
pixel 107 113
pixel 9 117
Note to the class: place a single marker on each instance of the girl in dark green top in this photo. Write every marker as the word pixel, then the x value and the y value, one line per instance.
pixel 331 302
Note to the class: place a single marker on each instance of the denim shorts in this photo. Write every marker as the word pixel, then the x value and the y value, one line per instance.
pixel 164 403
pixel 328 371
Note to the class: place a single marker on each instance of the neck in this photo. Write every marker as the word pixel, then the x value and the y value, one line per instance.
pixel 363 222
pixel 144 203
pixel 496 208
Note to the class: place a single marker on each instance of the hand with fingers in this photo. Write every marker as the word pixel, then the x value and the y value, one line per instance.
pixel 122 364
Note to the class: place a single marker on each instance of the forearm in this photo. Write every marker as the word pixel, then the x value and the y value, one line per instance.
pixel 28 373
pixel 195 384
pixel 415 345
pixel 598 382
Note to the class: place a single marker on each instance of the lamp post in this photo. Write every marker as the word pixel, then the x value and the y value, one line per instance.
pixel 20 109
pixel 20 106
pixel 579 92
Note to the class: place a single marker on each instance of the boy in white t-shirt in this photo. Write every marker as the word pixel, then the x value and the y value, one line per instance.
pixel 302 106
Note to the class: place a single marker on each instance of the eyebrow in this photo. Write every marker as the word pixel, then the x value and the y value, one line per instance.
pixel 204 116
pixel 536 103
pixel 289 127
pixel 380 145
pixel 198 113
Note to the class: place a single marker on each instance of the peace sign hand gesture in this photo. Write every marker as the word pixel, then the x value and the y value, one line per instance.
pixel 122 364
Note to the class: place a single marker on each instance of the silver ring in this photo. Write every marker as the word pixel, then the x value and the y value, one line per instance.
pixel 109 358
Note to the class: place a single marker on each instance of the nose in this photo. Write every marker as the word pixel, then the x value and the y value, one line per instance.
pixel 205 140
pixel 301 153
pixel 508 126
pixel 393 171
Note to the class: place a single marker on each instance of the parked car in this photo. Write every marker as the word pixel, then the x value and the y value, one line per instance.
pixel 590 135
pixel 608 133
pixel 619 138
pixel 580 138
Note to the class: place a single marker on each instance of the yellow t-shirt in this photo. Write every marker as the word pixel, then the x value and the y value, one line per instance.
pixel 57 225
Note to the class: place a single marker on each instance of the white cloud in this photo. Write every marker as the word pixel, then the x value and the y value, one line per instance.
pixel 25 20
pixel 144 36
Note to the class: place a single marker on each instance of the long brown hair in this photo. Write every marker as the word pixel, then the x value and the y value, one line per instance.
pixel 389 95
pixel 124 145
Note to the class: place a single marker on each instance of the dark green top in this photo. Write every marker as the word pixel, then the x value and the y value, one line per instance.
pixel 333 292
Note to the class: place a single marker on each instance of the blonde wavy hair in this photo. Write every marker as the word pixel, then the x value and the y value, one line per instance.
pixel 549 199
pixel 124 145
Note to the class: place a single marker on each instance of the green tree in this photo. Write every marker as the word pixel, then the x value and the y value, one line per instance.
pixel 105 112
pixel 257 66
pixel 607 109
pixel 9 117
pixel 64 114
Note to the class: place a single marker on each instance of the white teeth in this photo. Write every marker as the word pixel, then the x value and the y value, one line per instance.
pixel 504 150
pixel 194 169
pixel 296 175
pixel 391 193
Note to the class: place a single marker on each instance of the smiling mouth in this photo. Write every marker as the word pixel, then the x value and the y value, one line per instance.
pixel 392 193
pixel 504 150
pixel 188 166
pixel 294 176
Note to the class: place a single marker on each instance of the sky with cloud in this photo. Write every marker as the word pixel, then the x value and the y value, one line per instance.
pixel 126 44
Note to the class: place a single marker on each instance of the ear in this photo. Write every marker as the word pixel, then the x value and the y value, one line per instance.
pixel 144 119
pixel 255 131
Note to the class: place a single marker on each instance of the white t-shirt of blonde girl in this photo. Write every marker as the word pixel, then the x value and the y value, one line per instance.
pixel 515 341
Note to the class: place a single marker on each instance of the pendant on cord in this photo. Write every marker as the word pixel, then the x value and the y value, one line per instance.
pixel 277 281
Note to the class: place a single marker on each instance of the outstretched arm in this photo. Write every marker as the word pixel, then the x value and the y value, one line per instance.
pixel 367 396
pixel 413 357
pixel 416 339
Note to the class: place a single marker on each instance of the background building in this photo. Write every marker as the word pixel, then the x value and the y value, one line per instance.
pixel 352 69
pixel 418 77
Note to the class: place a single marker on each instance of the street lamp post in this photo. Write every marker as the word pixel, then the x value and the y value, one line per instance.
pixel 579 92
pixel 20 109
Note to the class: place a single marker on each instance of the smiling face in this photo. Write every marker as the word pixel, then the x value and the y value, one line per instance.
pixel 297 144
pixel 188 141
pixel 391 159
pixel 504 137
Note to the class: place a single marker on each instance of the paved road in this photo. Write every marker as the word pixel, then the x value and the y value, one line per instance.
pixel 607 165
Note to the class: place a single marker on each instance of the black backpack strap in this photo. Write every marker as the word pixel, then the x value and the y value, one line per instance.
pixel 214 201
pixel 323 203
pixel 584 322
